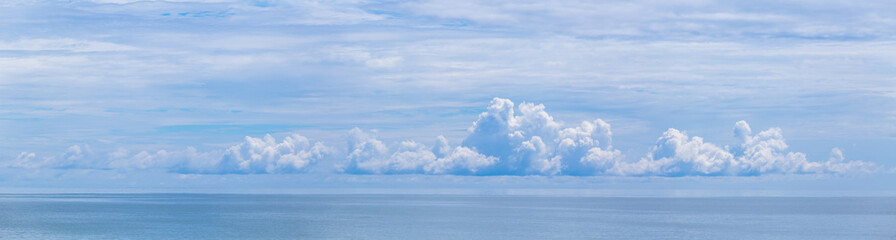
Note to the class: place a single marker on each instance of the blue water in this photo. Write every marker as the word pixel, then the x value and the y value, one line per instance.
pixel 221 216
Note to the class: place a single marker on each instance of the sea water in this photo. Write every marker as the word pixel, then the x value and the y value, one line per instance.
pixel 335 216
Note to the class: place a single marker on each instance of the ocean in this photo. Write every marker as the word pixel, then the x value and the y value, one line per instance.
pixel 368 216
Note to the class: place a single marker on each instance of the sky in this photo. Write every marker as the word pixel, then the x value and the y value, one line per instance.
pixel 677 98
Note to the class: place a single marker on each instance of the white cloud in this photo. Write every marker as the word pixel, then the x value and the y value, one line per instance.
pixel 371 156
pixel 533 143
pixel 367 155
pixel 461 161
pixel 264 155
pixel 385 62
pixel 186 160
pixel 440 53
pixel 764 153
pixel 587 149
pixel 25 159
pixel 306 12
pixel 729 16
pixel 502 142
pixel 133 1
pixel 254 156
pixel 677 155
pixel 665 18
pixel 369 58
pixel 75 156
pixel 63 44
pixel 838 165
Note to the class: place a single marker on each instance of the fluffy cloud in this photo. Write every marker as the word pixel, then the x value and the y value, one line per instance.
pixel 253 156
pixel 504 142
pixel 501 142
pixel 76 156
pixel 764 153
pixel 370 156
pixel 837 164
pixel 295 153
pixel 533 143
pixel 675 154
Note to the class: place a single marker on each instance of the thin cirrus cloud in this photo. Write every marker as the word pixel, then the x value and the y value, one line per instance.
pixel 506 139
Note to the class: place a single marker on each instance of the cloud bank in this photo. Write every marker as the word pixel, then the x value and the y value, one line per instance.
pixel 675 154
pixel 501 142
pixel 530 142
pixel 294 154
pixel 506 139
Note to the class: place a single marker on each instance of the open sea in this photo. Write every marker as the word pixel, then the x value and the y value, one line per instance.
pixel 337 216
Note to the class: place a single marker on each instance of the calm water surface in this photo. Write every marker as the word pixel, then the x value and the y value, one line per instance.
pixel 222 216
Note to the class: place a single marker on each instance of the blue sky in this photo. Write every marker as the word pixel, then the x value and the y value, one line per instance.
pixel 636 96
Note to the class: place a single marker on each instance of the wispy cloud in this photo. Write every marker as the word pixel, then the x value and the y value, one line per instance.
pixel 113 74
pixel 62 44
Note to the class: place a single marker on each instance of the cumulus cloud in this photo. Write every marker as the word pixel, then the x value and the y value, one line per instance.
pixel 764 153
pixel 675 154
pixel 75 156
pixel 367 155
pixel 838 165
pixel 294 154
pixel 506 139
pixel 533 143
pixel 501 142
pixel 525 140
